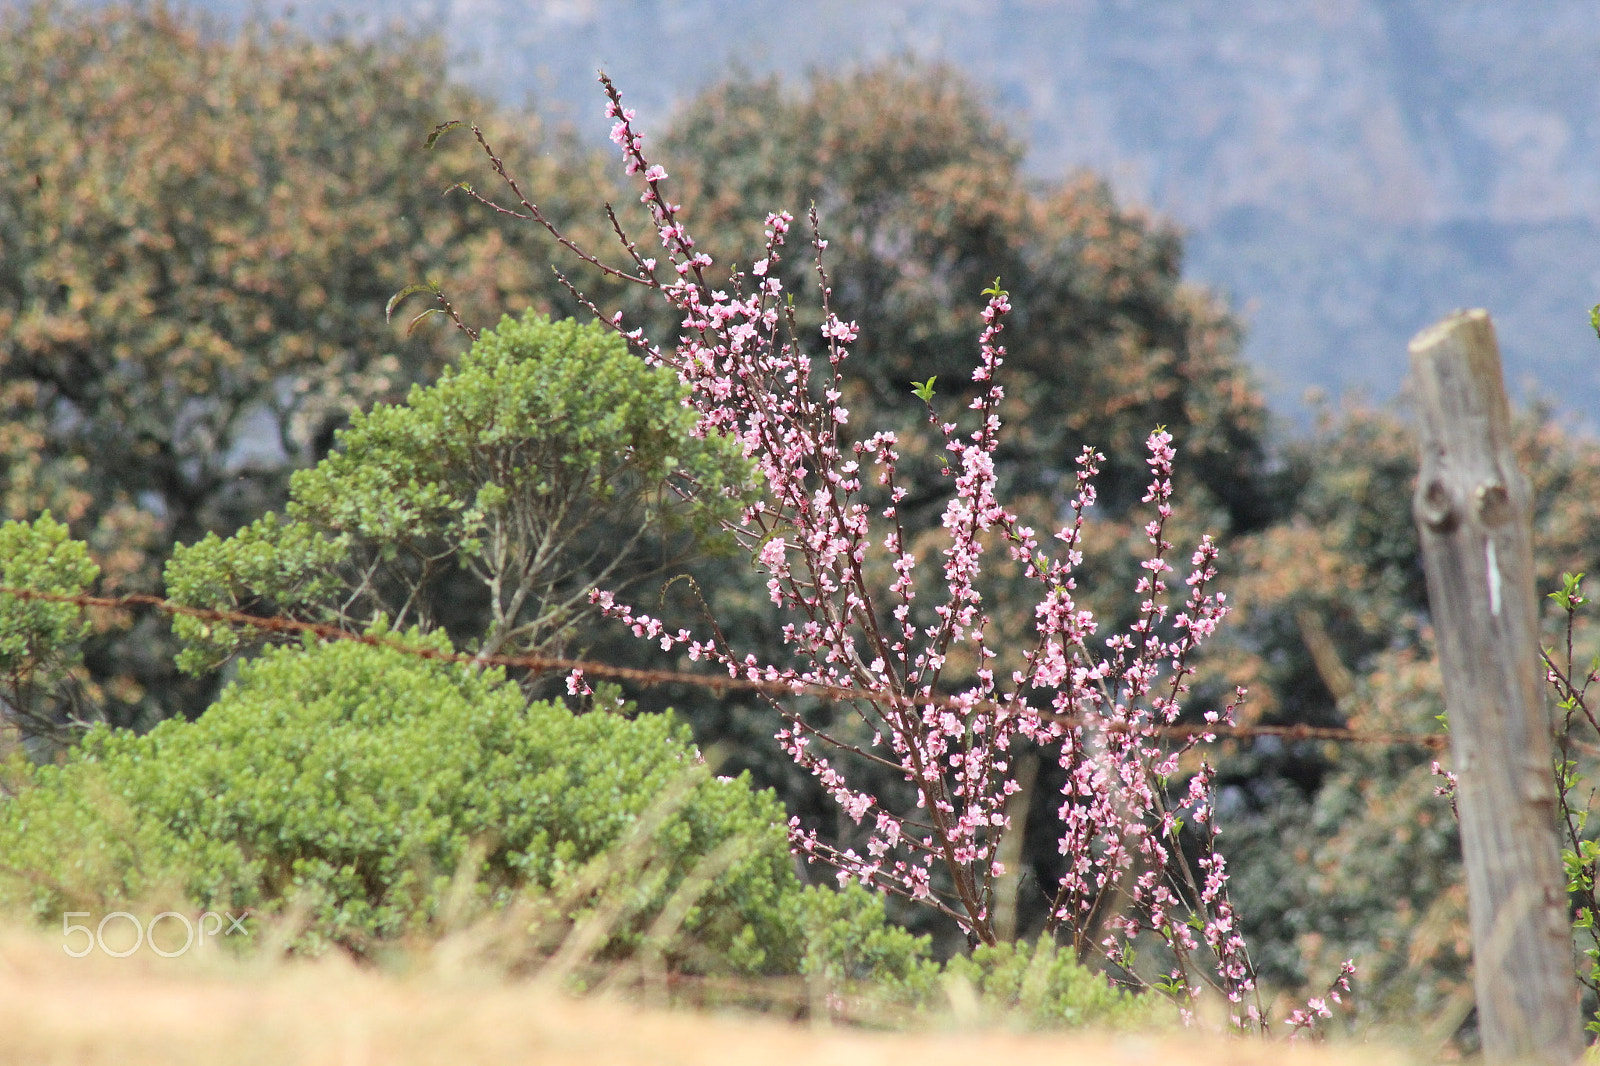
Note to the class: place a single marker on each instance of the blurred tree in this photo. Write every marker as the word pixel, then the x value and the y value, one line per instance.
pixel 198 235
pixel 923 202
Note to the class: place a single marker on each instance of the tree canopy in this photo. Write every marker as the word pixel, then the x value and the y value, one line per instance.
pixel 199 233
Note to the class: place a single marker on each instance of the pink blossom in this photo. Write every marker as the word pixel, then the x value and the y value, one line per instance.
pixel 916 650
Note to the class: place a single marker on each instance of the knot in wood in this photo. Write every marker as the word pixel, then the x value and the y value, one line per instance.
pixel 1493 503
pixel 1436 505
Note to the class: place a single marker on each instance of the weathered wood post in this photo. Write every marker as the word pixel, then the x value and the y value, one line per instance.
pixel 1473 511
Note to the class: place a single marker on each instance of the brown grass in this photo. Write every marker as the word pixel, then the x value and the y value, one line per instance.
pixel 208 1009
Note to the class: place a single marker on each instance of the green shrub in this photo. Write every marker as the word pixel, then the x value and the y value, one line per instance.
pixel 360 781
pixel 851 950
pixel 549 461
pixel 356 778
pixel 1040 987
pixel 39 639
pixel 847 942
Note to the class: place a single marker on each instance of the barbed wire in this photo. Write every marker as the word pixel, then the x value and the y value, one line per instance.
pixel 721 685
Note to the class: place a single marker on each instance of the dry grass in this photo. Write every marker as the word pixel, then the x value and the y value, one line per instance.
pixel 199 1009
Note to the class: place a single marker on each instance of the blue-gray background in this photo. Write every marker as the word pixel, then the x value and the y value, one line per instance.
pixel 1346 170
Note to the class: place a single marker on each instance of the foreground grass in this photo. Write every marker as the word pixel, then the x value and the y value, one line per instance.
pixel 214 1010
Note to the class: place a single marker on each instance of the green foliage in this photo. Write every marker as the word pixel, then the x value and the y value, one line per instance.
pixel 200 232
pixel 847 941
pixel 39 640
pixel 1044 987
pixel 1365 866
pixel 1014 985
pixel 356 779
pixel 543 465
pixel 270 560
pixel 41 556
pixel 1571 682
pixel 367 784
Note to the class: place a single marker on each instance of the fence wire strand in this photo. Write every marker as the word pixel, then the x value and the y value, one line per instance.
pixel 537 664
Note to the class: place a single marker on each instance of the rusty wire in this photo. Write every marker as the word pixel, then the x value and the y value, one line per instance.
pixel 537 664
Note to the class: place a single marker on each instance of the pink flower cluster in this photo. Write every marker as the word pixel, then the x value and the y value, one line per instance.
pixel 909 644
pixel 1304 1021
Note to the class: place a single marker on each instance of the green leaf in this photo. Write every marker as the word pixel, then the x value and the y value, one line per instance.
pixel 923 390
pixel 409 290
pixel 440 130
pixel 1570 596
pixel 1170 986
pixel 415 322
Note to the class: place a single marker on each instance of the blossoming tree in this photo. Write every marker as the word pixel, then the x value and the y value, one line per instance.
pixel 907 642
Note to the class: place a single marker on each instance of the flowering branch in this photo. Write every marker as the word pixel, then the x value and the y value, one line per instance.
pixel 912 646
pixel 1304 1021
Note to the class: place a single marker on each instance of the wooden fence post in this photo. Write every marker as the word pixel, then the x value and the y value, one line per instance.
pixel 1473 511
